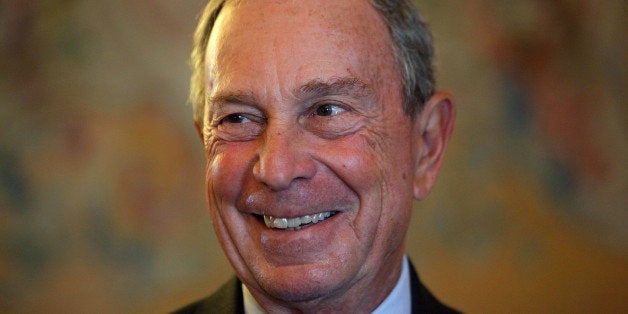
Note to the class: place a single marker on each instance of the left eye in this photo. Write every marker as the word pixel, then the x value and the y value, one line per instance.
pixel 326 110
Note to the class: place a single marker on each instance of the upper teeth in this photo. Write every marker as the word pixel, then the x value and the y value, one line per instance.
pixel 294 223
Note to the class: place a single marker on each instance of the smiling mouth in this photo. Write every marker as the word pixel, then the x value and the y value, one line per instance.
pixel 296 223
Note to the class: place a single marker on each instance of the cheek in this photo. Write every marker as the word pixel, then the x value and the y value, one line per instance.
pixel 226 168
pixel 373 160
pixel 355 163
pixel 378 167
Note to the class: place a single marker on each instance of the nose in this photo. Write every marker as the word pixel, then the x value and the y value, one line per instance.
pixel 283 158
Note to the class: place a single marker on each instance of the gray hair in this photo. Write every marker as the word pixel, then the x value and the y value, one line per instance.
pixel 412 47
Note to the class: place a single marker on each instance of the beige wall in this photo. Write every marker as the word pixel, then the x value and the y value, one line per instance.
pixel 101 198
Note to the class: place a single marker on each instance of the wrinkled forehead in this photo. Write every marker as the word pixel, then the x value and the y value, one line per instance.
pixel 355 16
pixel 301 38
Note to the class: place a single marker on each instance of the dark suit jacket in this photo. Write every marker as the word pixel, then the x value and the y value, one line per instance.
pixel 228 299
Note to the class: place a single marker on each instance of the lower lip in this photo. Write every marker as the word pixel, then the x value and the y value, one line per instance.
pixel 283 246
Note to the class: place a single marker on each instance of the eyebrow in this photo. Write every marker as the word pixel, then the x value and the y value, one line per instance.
pixel 343 86
pixel 235 97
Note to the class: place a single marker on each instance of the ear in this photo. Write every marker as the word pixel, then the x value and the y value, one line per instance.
pixel 434 126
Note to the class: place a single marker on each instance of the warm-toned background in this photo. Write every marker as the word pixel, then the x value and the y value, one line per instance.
pixel 101 200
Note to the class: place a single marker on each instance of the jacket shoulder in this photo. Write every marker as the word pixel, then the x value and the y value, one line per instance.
pixel 226 300
pixel 423 301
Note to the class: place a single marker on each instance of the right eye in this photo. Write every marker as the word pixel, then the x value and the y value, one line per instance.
pixel 239 127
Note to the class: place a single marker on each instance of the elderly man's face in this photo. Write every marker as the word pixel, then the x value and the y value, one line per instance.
pixel 310 157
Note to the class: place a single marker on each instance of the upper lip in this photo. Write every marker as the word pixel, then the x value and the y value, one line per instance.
pixel 284 208
pixel 291 204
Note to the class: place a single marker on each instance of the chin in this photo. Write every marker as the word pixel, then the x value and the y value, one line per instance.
pixel 305 283
pixel 300 292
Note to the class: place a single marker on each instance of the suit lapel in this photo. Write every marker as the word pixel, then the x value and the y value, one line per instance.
pixel 423 301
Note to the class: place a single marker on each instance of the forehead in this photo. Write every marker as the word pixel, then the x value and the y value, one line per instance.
pixel 286 42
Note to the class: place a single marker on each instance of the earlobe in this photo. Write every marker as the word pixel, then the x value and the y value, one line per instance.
pixel 434 126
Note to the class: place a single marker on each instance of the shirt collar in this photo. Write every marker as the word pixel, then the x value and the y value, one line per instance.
pixel 399 300
pixel 250 304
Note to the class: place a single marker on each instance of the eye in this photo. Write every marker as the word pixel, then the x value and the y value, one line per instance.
pixel 235 118
pixel 238 127
pixel 330 119
pixel 326 110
